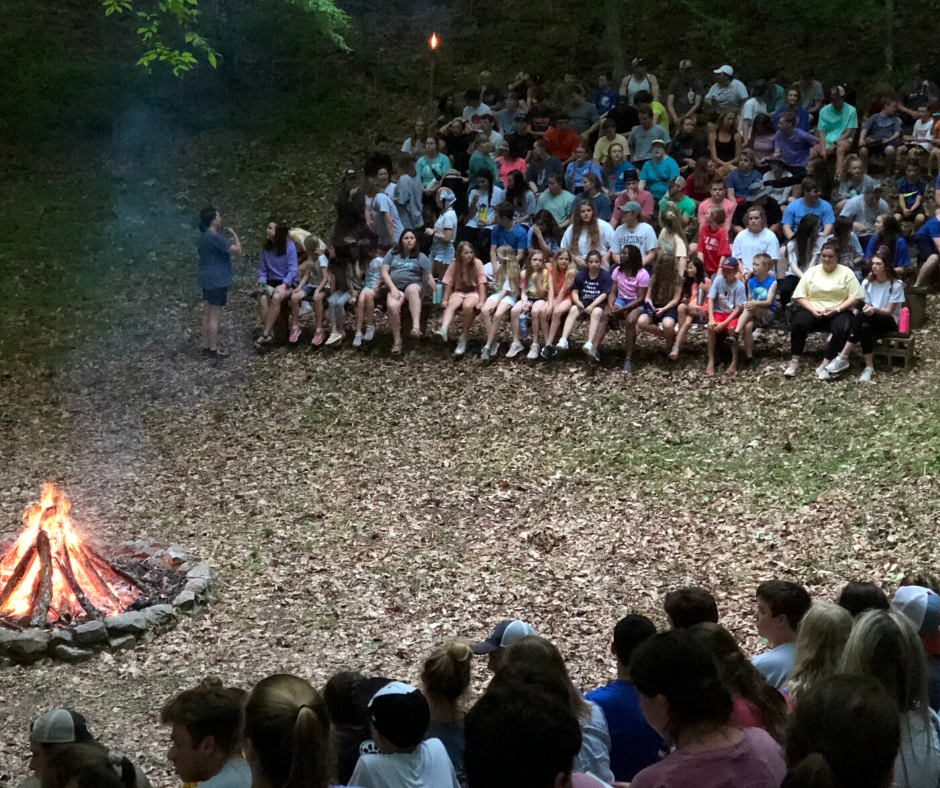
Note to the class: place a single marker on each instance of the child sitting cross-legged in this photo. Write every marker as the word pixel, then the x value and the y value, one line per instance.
pixel 725 303
pixel 760 307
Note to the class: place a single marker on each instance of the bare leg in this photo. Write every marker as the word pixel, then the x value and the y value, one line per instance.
pixel 593 327
pixel 394 306
pixel 263 311
pixel 600 332
pixel 629 330
pixel 280 293
pixel 295 298
pixel 468 315
pixel 558 315
pixel 710 369
pixel 212 326
pixel 453 304
pixel 748 338
pixel 669 331
pixel 515 315
pixel 573 314
pixel 486 315
pixel 927 270
pixel 413 294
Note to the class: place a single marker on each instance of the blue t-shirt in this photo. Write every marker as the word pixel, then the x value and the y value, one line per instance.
pixel 507 120
pixel 759 289
pixel 575 171
pixel 911 191
pixel 516 237
pixel 615 181
pixel 929 230
pixel 776 664
pixel 902 257
pixel 659 177
pixel 802 117
pixel 604 100
pixel 880 128
pixel 601 203
pixel 589 289
pixel 740 182
pixel 215 262
pixel 797 209
pixel 634 745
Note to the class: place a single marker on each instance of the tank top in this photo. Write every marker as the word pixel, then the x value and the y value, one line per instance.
pixel 635 87
pixel 726 150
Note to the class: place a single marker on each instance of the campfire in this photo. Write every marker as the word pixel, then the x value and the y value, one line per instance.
pixel 52 575
pixel 65 596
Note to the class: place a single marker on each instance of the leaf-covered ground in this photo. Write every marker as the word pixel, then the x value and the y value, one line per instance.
pixel 360 508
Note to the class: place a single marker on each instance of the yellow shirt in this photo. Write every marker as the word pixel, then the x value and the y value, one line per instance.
pixel 827 291
pixel 660 115
pixel 603 145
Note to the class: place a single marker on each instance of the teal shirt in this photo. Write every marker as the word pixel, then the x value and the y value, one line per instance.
pixel 429 171
pixel 480 162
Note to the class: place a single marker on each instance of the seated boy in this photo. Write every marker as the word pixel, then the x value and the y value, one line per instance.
pixel 781 606
pixel 399 717
pixel 911 191
pixel 760 307
pixel 712 244
pixel 725 303
pixel 691 605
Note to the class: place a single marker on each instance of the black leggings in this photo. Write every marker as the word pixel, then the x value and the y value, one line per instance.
pixel 785 288
pixel 804 322
pixel 867 328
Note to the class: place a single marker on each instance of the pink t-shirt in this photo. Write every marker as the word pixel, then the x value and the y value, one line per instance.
pixel 506 167
pixel 643 197
pixel 468 287
pixel 754 762
pixel 727 206
pixel 628 285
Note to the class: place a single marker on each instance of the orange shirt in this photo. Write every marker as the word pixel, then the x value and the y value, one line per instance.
pixel 562 143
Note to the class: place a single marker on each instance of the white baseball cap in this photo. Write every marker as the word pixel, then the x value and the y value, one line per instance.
pixel 725 70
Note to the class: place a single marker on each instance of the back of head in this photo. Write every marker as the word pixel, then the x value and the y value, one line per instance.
pixel 206 217
pixel 675 665
pixel 857 597
pixel 886 646
pixel 629 633
pixel 208 711
pixel 446 673
pixel 87 766
pixel 820 641
pixel 844 733
pixel 785 598
pixel 287 730
pixel 689 606
pixel 345 701
pixel 518 736
pixel 400 713
pixel 60 726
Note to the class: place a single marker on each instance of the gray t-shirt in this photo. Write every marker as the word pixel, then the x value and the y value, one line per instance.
pixel 880 128
pixel 408 199
pixel 641 140
pixel 776 664
pixel 581 116
pixel 235 774
pixel 848 189
pixel 859 211
pixel 406 271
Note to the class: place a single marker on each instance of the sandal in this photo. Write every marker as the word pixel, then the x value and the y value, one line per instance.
pixel 264 339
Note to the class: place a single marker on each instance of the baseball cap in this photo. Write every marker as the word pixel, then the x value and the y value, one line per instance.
pixel 350 173
pixel 639 62
pixel 631 176
pixel 756 189
pixel 730 262
pixel 679 181
pixel 633 205
pixel 658 142
pixel 685 64
pixel 871 187
pixel 725 70
pixel 57 726
pixel 921 606
pixel 400 713
pixel 504 634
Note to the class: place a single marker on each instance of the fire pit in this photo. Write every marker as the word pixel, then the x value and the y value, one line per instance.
pixel 65 597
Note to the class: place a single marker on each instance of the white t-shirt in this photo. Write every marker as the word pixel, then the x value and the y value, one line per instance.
pixel 751 109
pixel 441 250
pixel 814 258
pixel 732 96
pixel 497 139
pixel 880 294
pixel 473 115
pixel 486 206
pixel 748 244
pixel 923 130
pixel 643 236
pixel 584 243
pixel 429 766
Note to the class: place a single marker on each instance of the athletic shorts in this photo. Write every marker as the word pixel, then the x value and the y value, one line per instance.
pixel 215 296
pixel 720 317
pixel 309 290
pixel 267 288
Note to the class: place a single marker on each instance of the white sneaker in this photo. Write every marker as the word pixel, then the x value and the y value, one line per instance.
pixel 494 348
pixel 758 332
pixel 792 368
pixel 357 340
pixel 485 353
pixel 441 334
pixel 822 373
pixel 837 365
pixel 461 347
pixel 514 350
pixel 562 344
pixel 865 377
pixel 370 333
pixel 533 351
pixel 334 338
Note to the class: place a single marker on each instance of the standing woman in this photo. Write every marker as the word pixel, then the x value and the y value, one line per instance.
pixel 884 297
pixel 587 232
pixel 563 270
pixel 215 275
pixel 405 271
pixel 414 145
pixel 826 297
pixel 464 292
pixel 445 228
pixel 725 144
pixel 277 276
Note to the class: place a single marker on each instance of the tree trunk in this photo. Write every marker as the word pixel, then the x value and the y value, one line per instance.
pixel 889 36
pixel 614 41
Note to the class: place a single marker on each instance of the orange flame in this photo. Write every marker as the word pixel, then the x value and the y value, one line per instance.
pixel 106 590
pixel 434 41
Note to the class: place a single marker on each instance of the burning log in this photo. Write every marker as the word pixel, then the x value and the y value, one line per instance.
pixel 22 567
pixel 65 567
pixel 101 586
pixel 39 610
pixel 95 559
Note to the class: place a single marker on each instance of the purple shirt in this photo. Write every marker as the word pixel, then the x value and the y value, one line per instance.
pixel 754 762
pixel 795 148
pixel 274 266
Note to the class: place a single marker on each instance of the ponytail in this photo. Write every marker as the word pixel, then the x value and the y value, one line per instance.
pixel 311 762
pixel 446 673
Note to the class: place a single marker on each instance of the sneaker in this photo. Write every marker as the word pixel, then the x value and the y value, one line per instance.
pixel 334 338
pixel 733 337
pixel 822 373
pixel 514 350
pixel 591 351
pixel 758 332
pixel 792 368
pixel 461 347
pixel 370 333
pixel 562 344
pixel 294 335
pixel 865 377
pixel 485 353
pixel 318 337
pixel 357 340
pixel 494 348
pixel 628 366
pixel 829 338
pixel 837 365
pixel 441 335
pixel 533 351
pixel 548 352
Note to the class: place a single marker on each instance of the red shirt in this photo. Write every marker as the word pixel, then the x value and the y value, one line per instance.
pixel 712 246
pixel 562 143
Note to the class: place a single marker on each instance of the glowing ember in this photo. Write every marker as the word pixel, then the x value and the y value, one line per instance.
pixel 50 574
pixel 434 41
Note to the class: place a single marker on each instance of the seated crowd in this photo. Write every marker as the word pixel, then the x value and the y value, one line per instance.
pixel 617 211
pixel 846 696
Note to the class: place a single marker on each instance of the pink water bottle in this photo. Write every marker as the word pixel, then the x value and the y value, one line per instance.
pixel 904 323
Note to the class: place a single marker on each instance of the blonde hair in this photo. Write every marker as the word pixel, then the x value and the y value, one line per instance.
pixel 820 641
pixel 508 268
pixel 669 219
pixel 288 726
pixel 446 673
pixel 569 271
pixel 314 245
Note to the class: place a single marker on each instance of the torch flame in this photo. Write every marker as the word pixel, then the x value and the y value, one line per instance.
pixel 434 41
pixel 104 588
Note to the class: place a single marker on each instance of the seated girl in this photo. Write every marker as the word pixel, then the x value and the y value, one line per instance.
pixel 672 238
pixel 563 270
pixel 537 296
pixel 406 272
pixel 497 306
pixel 277 275
pixel 464 291
pixel 365 305
pixel 313 284
pixel 661 310
pixel 545 234
pixel 523 200
pixel 342 290
pixel 632 282
pixel 693 306
pixel 725 144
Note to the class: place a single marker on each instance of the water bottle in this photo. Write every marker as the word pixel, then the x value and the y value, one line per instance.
pixel 700 296
pixel 523 320
pixel 904 324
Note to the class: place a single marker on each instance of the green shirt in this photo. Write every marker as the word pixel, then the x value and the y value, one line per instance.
pixel 480 162
pixel 834 123
pixel 559 206
pixel 685 206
